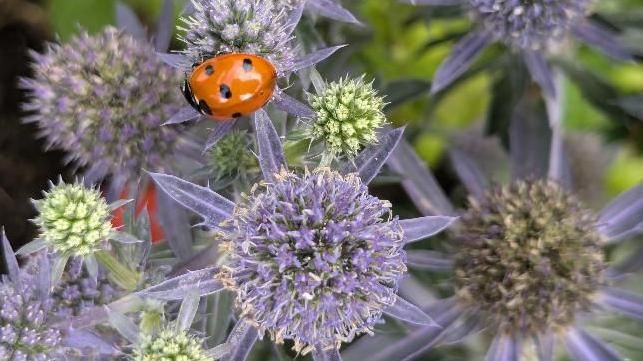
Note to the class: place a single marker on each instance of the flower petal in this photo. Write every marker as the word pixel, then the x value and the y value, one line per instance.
pixel 424 227
pixel 504 348
pixel 419 182
pixel 584 347
pixel 201 200
pixel 623 214
pixel 369 162
pixel 469 173
pixel 175 60
pixel 187 311
pixel 464 53
pixel 430 260
pixel 127 20
pixel 540 71
pixel 32 247
pixel 326 355
pixel 545 346
pixel 602 39
pixel 332 10
pixel 220 130
pixel 9 258
pixel 184 114
pixel 165 25
pixel 126 327
pixel 292 106
pixel 271 151
pixel 204 281
pixel 241 340
pixel 294 17
pixel 624 302
pixel 176 226
pixel 80 339
pixel 312 58
pixel 408 312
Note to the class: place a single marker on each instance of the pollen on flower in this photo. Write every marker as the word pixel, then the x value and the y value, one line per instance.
pixel 169 344
pixel 528 24
pixel 102 99
pixel 348 114
pixel 245 26
pixel 314 258
pixel 73 219
pixel 529 259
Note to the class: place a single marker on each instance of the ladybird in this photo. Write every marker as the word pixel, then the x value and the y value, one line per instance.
pixel 230 85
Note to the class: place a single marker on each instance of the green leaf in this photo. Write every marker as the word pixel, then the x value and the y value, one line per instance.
pixel 68 15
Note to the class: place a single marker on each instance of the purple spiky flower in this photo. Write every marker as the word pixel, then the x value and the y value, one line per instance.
pixel 312 257
pixel 102 99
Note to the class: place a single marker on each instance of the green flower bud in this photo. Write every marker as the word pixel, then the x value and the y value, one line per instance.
pixel 170 345
pixel 231 155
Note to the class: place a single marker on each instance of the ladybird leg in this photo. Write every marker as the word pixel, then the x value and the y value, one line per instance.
pixel 187 93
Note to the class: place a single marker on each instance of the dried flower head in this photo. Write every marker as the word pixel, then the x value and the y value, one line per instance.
pixel 73 219
pixel 170 344
pixel 347 115
pixel 247 26
pixel 102 98
pixel 316 259
pixel 231 155
pixel 530 257
pixel 25 330
pixel 529 24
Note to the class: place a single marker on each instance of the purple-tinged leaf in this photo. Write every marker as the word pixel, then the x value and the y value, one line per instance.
pixel 332 10
pixel 312 58
pixel 199 260
pixel 320 354
pixel 188 8
pixel 187 311
pixel 220 130
pixel 406 311
pixel 424 227
pixel 218 352
pixel 43 278
pixel 504 348
pixel 271 152
pixel 292 106
pixel 434 2
pixel 429 260
pixel 370 161
pixel 177 61
pixel 9 258
pixel 464 53
pixel 469 173
pixel 176 226
pixel 420 340
pixel 559 169
pixel 624 302
pixel 82 339
pixel 545 346
pixel 241 340
pixel 581 346
pixel 201 200
pixel 294 17
pixel 529 141
pixel 165 25
pixel 468 325
pixel 126 327
pixel 204 281
pixel 419 182
pixel 127 20
pixel 623 214
pixel 94 315
pixel 540 71
pixel 602 39
pixel 184 114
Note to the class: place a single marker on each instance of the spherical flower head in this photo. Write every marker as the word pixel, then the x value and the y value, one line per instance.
pixel 170 345
pixel 347 115
pixel 529 24
pixel 244 26
pixel 530 257
pixel 231 155
pixel 25 330
pixel 102 98
pixel 78 291
pixel 73 220
pixel 314 258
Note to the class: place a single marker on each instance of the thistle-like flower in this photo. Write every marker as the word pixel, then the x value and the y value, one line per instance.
pixel 312 257
pixel 28 317
pixel 347 115
pixel 531 27
pixel 102 99
pixel 527 264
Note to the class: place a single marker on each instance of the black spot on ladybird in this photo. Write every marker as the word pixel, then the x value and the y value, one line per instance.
pixel 247 64
pixel 209 70
pixel 225 91
pixel 237 115
pixel 205 108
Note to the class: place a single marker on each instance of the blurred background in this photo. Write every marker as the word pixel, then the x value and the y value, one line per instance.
pixel 398 47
